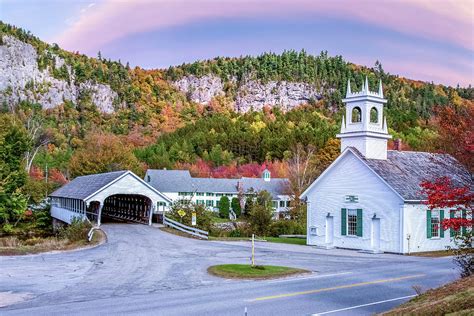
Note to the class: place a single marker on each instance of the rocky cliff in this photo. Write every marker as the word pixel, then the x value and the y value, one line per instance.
pixel 22 80
pixel 249 93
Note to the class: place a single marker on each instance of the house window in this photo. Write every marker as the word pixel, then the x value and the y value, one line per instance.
pixel 148 179
pixel 181 193
pixel 356 115
pixel 435 224
pixel 282 203
pixel 209 194
pixel 200 202
pixel 209 203
pixel 228 194
pixel 199 193
pixel 219 194
pixel 352 222
pixel 374 115
pixel 274 204
pixel 218 203
pixel 287 203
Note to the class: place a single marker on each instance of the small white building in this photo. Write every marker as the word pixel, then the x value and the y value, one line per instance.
pixel 369 197
pixel 179 184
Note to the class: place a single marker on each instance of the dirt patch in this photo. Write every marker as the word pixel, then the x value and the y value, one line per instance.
pixel 12 246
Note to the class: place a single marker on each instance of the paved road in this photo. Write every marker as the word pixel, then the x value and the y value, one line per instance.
pixel 142 270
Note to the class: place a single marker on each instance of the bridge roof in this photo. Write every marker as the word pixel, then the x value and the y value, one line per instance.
pixel 84 186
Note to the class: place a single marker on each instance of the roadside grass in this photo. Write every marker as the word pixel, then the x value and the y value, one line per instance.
pixel 12 246
pixel 281 240
pixel 287 240
pixel 456 298
pixel 246 271
pixel 433 254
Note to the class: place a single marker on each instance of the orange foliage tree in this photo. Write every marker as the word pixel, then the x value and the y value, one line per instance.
pixel 103 153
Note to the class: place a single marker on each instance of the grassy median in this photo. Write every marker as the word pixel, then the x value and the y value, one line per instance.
pixel 246 271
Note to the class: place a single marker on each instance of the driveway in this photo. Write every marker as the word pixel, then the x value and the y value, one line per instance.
pixel 143 270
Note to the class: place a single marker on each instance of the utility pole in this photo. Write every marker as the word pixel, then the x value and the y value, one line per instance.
pixel 253 250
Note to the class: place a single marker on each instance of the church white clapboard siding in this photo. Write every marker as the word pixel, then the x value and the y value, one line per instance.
pixel 370 198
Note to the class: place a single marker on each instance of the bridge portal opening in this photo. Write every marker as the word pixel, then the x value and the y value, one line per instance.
pixel 127 207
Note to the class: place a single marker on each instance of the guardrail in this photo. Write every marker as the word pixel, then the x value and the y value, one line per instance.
pixel 185 229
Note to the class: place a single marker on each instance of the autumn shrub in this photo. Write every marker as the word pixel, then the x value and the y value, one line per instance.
pixel 76 231
pixel 286 227
pixel 187 208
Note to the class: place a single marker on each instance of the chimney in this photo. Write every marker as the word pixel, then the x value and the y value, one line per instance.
pixel 397 144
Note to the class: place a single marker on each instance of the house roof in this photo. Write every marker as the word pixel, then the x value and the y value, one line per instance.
pixel 405 170
pixel 170 180
pixel 181 181
pixel 84 186
pixel 215 185
pixel 276 186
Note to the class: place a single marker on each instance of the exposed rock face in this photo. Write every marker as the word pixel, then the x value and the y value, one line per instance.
pixel 200 89
pixel 283 94
pixel 22 80
pixel 250 93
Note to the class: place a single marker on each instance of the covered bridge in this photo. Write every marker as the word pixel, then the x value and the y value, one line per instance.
pixel 119 194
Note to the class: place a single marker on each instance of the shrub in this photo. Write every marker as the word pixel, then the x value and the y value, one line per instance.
pixel 224 206
pixel 235 204
pixel 203 216
pixel 287 227
pixel 76 231
pixel 261 214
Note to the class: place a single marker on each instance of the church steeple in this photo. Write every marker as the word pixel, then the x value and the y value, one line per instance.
pixel 364 126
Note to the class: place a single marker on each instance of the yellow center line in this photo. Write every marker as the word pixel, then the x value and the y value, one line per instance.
pixel 264 298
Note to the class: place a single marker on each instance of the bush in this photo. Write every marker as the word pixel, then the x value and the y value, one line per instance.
pixel 224 206
pixel 235 204
pixel 76 231
pixel 203 216
pixel 286 227
pixel 261 214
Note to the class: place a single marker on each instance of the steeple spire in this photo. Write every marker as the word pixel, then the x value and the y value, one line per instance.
pixel 343 125
pixel 380 89
pixel 348 92
pixel 367 84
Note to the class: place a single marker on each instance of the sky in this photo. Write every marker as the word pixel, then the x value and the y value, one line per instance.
pixel 429 40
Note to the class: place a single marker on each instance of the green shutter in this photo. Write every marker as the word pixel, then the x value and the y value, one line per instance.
pixel 359 222
pixel 428 224
pixel 452 232
pixel 441 218
pixel 464 228
pixel 343 222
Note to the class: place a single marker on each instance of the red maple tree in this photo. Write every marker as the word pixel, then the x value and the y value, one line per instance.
pixel 442 193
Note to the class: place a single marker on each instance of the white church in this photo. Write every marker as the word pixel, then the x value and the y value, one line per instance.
pixel 369 197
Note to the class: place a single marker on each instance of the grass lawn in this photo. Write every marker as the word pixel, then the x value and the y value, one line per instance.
pixel 455 298
pixel 12 246
pixel 287 240
pixel 246 271
pixel 284 240
pixel 216 219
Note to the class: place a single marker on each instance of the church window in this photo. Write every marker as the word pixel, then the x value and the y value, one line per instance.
pixel 352 222
pixel 374 115
pixel 356 115
pixel 434 218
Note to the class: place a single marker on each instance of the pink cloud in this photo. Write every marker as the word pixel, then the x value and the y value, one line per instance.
pixel 444 20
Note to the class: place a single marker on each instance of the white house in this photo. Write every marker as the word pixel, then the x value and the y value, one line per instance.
pixel 179 184
pixel 369 197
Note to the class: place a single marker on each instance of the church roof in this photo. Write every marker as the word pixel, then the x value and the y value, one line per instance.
pixel 405 170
